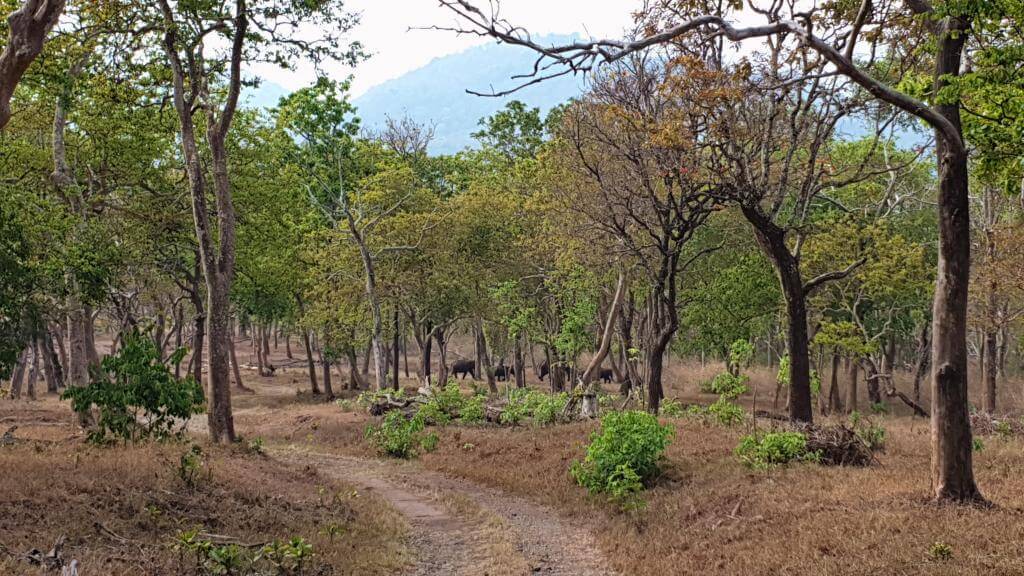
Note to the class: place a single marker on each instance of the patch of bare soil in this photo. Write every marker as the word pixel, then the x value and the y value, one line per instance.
pixel 460 528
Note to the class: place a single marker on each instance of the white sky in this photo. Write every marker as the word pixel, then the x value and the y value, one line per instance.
pixel 395 49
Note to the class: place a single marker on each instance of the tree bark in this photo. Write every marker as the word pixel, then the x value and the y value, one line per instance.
pixel 924 357
pixel 310 363
pixel 519 361
pixel 952 442
pixel 442 353
pixel 835 400
pixel 851 390
pixel 394 351
pixel 328 388
pixel 27 30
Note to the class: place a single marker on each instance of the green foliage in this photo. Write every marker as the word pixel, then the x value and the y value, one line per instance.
pixel 190 466
pixel 721 411
pixel 872 434
pixel 517 408
pixel 879 408
pixel 398 436
pixel 763 451
pixel 977 445
pixel 280 557
pixel 741 353
pixel 940 551
pixel 137 395
pixel 473 410
pixel 672 408
pixel 729 386
pixel 623 455
pixel 256 446
pixel 783 378
pixel 546 408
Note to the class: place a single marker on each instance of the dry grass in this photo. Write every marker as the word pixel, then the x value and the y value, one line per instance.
pixel 64 487
pixel 706 515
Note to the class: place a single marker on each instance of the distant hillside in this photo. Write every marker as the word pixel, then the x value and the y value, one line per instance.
pixel 437 92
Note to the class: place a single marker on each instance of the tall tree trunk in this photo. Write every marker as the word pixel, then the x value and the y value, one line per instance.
pixel 355 382
pixel 18 377
pixel 924 357
pixel 54 369
pixel 871 378
pixel 442 353
pixel 326 364
pixel 395 344
pixel 772 240
pixel 405 352
pixel 851 390
pixel 952 442
pixel 484 358
pixel 288 346
pixel 310 363
pixel 835 400
pixel 519 361
pixel 33 375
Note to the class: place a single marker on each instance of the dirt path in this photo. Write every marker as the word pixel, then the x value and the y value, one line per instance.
pixel 461 529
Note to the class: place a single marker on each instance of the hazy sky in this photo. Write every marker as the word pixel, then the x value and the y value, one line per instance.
pixel 396 49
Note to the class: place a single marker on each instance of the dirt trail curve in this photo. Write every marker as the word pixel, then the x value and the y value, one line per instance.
pixel 462 529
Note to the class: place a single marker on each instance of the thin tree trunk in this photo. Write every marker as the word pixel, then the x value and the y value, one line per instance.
pixel 835 401
pixel 519 361
pixel 924 357
pixel 18 377
pixel 395 344
pixel 851 390
pixel 442 353
pixel 310 363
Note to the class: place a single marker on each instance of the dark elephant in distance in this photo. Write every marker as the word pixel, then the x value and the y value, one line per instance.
pixel 464 367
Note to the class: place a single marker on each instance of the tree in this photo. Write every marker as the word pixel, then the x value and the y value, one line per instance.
pixel 837 34
pixel 195 75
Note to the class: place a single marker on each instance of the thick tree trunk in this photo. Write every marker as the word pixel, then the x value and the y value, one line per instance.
pixel 328 387
pixel 54 369
pixel 484 358
pixel 27 30
pixel 952 443
pixel 835 400
pixel 772 240
pixel 219 417
pixel 871 378
pixel 355 381
pixel 18 377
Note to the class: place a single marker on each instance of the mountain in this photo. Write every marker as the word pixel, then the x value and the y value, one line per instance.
pixel 436 93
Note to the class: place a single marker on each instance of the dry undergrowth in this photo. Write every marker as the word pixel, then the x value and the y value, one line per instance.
pixel 121 508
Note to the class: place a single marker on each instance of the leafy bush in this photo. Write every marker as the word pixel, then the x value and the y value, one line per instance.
pixel 546 408
pixel 727 385
pixel 473 411
pixel 281 557
pixel 741 352
pixel 872 435
pixel 518 406
pixel 879 408
pixel 722 411
pixel 137 395
pixel 399 436
pixel 763 451
pixel 672 408
pixel 623 454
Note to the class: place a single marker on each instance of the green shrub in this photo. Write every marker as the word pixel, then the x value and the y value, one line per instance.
pixel 872 435
pixel 977 445
pixel 137 395
pixel 397 435
pixel 727 385
pixel 762 451
pixel 623 454
pixel 879 408
pixel 473 411
pixel 722 411
pixel 741 352
pixel 546 408
pixel 518 406
pixel 672 408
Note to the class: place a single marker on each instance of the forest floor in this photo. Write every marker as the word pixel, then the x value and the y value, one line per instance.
pixel 496 500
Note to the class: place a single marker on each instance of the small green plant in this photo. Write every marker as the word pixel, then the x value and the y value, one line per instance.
pixel 256 446
pixel 190 465
pixel 623 454
pixel 672 408
pixel 872 435
pixel 428 443
pixel 977 445
pixel 345 404
pixel 332 531
pixel 1003 429
pixel 398 436
pixel 763 451
pixel 288 558
pixel 940 551
pixel 137 394
pixel 879 408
